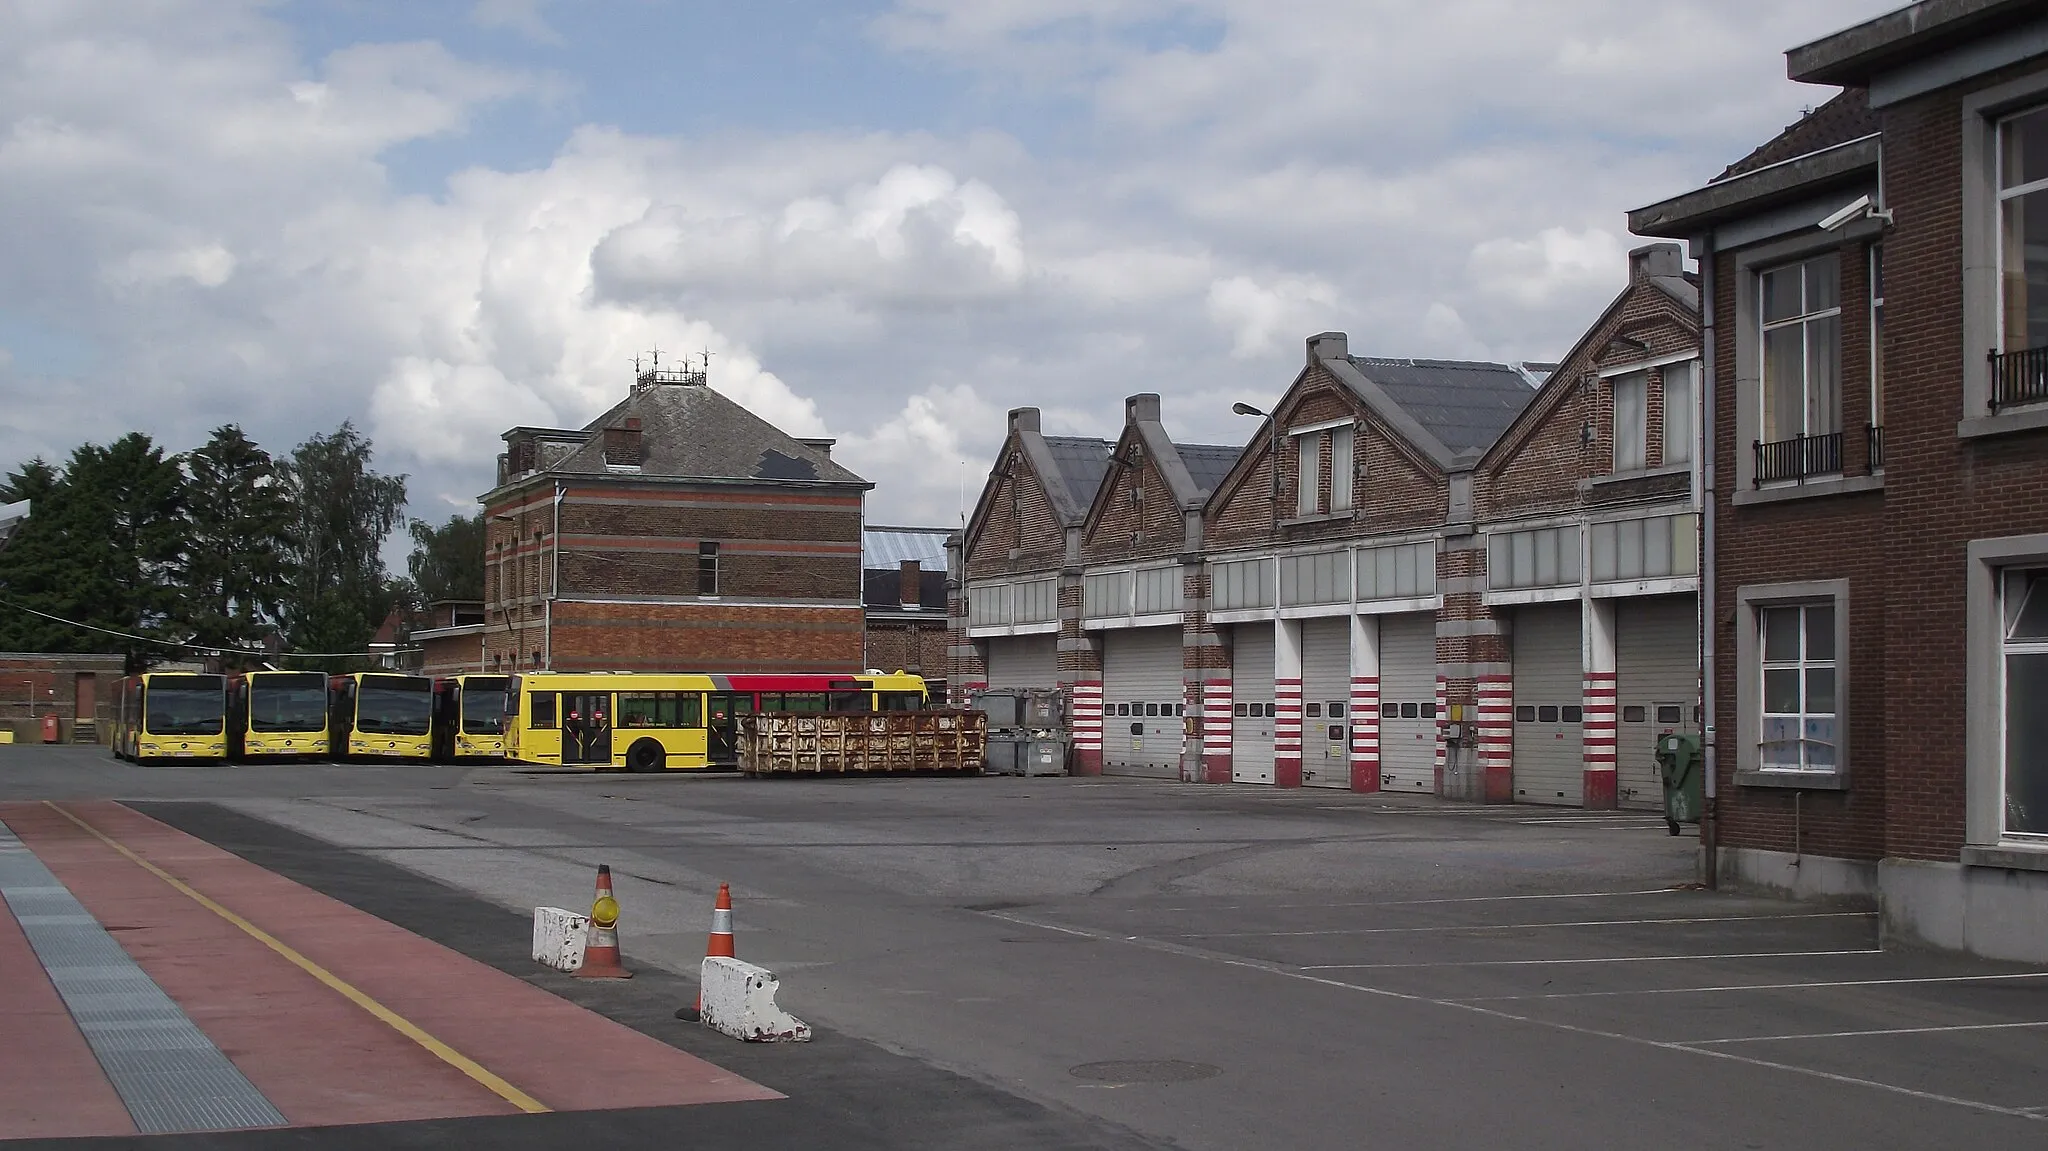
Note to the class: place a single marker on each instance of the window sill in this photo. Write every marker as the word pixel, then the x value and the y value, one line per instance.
pixel 1324 518
pixel 1797 780
pixel 1811 490
pixel 2011 857
pixel 1596 482
pixel 2028 419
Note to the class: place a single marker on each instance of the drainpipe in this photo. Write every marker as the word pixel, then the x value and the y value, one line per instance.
pixel 1709 816
pixel 554 582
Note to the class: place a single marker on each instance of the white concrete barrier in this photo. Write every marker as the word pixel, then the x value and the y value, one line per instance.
pixel 739 1000
pixel 558 937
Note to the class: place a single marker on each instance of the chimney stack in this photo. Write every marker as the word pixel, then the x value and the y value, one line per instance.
pixel 622 444
pixel 910 579
pixel 1655 260
pixel 822 447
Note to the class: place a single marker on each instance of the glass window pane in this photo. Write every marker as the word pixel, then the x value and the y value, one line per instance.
pixel 2023 261
pixel 1628 537
pixel 1406 578
pixel 1823 283
pixel 1820 691
pixel 2026 744
pixel 1497 559
pixel 1657 546
pixel 1678 405
pixel 1820 633
pixel 1784 383
pixel 1523 569
pixel 1631 418
pixel 1781 293
pixel 1546 558
pixel 2029 614
pixel 1604 565
pixel 1307 450
pixel 1387 563
pixel 1781 691
pixel 2023 149
pixel 1820 744
pixel 1781 634
pixel 1340 469
pixel 1823 375
pixel 1685 544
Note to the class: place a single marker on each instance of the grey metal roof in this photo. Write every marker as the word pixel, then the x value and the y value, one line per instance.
pixel 1465 404
pixel 693 431
pixel 1207 464
pixel 884 547
pixel 1082 462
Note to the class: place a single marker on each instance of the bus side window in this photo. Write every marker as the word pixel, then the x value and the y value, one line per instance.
pixel 542 705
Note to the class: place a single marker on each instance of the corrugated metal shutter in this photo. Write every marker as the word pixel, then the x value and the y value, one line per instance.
pixel 1141 702
pixel 1408 702
pixel 1024 661
pixel 1325 690
pixel 1550 756
pixel 1656 670
pixel 1251 693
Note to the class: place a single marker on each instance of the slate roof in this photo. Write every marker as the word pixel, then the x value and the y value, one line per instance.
pixel 1846 117
pixel 882 588
pixel 1082 462
pixel 692 431
pixel 884 547
pixel 1465 404
pixel 1207 464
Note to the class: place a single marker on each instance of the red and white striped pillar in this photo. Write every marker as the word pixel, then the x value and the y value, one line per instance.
pixel 1494 731
pixel 1597 727
pixel 1443 717
pixel 1086 724
pixel 1287 703
pixel 1216 730
pixel 1365 703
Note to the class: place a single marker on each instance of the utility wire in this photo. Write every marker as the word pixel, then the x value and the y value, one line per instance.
pixel 204 649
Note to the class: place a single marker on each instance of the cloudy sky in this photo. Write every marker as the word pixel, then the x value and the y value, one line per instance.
pixel 887 222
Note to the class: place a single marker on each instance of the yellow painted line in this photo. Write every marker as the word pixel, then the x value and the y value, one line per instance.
pixel 390 1018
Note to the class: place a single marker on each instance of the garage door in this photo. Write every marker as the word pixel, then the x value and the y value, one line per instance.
pixel 1325 687
pixel 1251 688
pixel 1024 661
pixel 1550 757
pixel 1656 688
pixel 1408 702
pixel 1141 702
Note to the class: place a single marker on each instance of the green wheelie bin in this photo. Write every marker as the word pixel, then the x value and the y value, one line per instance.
pixel 1680 766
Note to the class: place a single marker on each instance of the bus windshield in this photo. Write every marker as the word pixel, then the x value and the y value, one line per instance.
pixel 394 705
pixel 483 706
pixel 188 705
pixel 293 702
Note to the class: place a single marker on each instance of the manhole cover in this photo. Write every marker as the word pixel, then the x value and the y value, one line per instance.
pixel 1145 1071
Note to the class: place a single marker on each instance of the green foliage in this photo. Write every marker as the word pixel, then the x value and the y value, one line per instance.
pixel 238 519
pixel 447 562
pixel 341 512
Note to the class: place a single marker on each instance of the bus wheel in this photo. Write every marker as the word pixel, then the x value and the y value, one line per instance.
pixel 646 755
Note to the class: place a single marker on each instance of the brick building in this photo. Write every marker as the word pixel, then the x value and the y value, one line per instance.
pixel 78 689
pixel 676 531
pixel 903 591
pixel 1878 303
pixel 450 640
pixel 1315 607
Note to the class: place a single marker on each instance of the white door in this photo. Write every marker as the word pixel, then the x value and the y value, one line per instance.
pixel 1550 757
pixel 1325 691
pixel 1141 702
pixel 1024 661
pixel 1656 688
pixel 1251 703
pixel 1408 702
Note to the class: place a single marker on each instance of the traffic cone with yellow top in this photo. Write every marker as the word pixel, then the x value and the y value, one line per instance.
pixel 601 959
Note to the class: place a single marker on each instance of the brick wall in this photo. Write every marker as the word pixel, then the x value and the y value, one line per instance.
pixel 1137 517
pixel 1019 532
pixel 34 684
pixel 706 637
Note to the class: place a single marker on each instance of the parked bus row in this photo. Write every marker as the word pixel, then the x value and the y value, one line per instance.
pixel 282 716
pixel 604 721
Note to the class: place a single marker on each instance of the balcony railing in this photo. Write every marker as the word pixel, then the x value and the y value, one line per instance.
pixel 2018 377
pixel 1798 457
pixel 1873 439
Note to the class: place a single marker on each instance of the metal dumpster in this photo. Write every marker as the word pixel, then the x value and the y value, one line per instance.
pixel 1680 767
pixel 836 743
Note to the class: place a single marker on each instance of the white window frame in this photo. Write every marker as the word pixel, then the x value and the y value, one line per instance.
pixel 1873 272
pixel 1805 319
pixel 1679 449
pixel 1984 702
pixel 1308 472
pixel 2004 195
pixel 1751 602
pixel 2009 647
pixel 1983 295
pixel 1801 664
pixel 1631 436
pixel 1343 467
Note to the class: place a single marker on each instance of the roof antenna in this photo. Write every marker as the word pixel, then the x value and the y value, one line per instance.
pixel 707 361
pixel 657 355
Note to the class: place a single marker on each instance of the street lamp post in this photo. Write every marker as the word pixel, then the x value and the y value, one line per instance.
pixel 1273 450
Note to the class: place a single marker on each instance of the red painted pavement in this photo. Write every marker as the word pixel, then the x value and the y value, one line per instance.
pixel 320 1058
pixel 50 1085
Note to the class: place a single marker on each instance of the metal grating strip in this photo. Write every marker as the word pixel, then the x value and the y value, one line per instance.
pixel 168 1073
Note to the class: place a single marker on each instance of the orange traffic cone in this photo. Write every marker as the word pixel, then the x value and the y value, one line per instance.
pixel 601 951
pixel 720 944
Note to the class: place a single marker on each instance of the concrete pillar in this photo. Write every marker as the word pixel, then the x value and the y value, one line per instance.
pixel 1365 703
pixel 1080 657
pixel 1597 727
pixel 1205 676
pixel 1286 703
pixel 966 665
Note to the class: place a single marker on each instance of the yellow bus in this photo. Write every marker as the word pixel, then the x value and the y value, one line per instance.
pixel 635 722
pixel 172 715
pixel 278 713
pixel 469 718
pixel 381 715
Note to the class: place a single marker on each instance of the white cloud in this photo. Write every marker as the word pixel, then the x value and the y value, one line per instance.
pixel 522 16
pixel 207 265
pixel 1556 262
pixel 1257 315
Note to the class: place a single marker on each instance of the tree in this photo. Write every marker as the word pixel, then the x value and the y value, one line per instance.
pixel 447 562
pixel 341 512
pixel 38 568
pixel 238 519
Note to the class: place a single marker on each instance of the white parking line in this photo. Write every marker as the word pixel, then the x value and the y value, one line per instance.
pixel 1422 902
pixel 1861 1034
pixel 1765 987
pixel 1612 959
pixel 1268 968
pixel 1522 926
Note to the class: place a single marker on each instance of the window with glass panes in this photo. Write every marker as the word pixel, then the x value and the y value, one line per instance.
pixel 2023 230
pixel 1802 339
pixel 1632 422
pixel 1679 403
pixel 1799 728
pixel 2025 619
